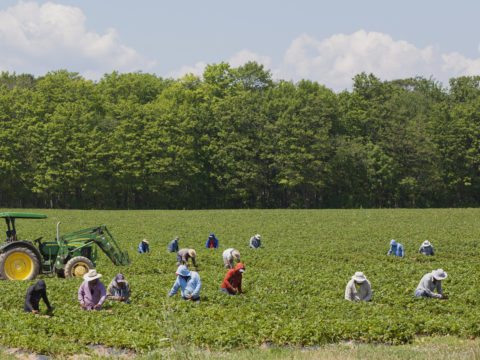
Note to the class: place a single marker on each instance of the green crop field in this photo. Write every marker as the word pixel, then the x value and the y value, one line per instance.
pixel 294 285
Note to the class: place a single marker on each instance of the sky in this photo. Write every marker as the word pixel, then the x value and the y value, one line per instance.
pixel 324 41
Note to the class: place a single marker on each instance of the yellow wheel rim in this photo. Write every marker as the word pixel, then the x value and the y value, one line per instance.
pixel 18 266
pixel 79 269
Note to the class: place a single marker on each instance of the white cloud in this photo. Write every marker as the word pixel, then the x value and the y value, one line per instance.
pixel 53 36
pixel 196 70
pixel 336 60
pixel 245 56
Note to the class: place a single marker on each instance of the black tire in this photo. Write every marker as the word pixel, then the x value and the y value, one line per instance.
pixel 19 263
pixel 77 267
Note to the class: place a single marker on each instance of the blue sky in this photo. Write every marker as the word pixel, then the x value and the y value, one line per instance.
pixel 328 42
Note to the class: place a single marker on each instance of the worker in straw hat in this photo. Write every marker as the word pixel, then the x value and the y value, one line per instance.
pixel 184 254
pixel 395 249
pixel 143 247
pixel 188 282
pixel 91 293
pixel 426 248
pixel 228 257
pixel 255 241
pixel 358 288
pixel 429 283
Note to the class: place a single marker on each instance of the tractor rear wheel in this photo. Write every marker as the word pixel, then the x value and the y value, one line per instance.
pixel 19 263
pixel 77 267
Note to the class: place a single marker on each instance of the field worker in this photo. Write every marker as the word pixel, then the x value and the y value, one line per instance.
pixel 91 293
pixel 212 242
pixel 173 247
pixel 189 283
pixel 228 256
pixel 256 241
pixel 358 288
pixel 396 249
pixel 34 293
pixel 143 247
pixel 119 289
pixel 184 254
pixel 426 248
pixel 428 284
pixel 232 284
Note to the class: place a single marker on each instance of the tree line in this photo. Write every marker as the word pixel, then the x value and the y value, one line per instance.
pixel 235 138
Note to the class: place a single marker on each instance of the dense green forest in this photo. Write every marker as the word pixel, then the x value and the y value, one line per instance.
pixel 235 138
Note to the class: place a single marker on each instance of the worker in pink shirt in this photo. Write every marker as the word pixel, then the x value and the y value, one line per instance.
pixel 91 293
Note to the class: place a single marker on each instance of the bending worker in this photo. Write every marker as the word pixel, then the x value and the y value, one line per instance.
pixel 228 256
pixel 173 247
pixel 396 249
pixel 143 247
pixel 91 293
pixel 255 241
pixel 34 293
pixel 429 283
pixel 188 282
pixel 212 242
pixel 119 289
pixel 184 254
pixel 232 284
pixel 426 248
pixel 358 288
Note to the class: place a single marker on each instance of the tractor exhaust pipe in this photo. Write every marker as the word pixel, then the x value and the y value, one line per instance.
pixel 58 231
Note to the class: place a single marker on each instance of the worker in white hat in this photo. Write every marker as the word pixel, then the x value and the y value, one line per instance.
pixel 229 256
pixel 426 248
pixel 255 241
pixel 429 283
pixel 184 254
pixel 143 247
pixel 92 293
pixel 358 288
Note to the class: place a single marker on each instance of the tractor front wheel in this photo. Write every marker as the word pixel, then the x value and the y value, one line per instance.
pixel 77 267
pixel 19 263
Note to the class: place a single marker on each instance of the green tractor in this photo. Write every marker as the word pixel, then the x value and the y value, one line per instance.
pixel 71 255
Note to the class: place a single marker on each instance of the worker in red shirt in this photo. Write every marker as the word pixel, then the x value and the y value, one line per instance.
pixel 232 284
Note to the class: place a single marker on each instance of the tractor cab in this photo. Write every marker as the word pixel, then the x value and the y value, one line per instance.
pixel 10 221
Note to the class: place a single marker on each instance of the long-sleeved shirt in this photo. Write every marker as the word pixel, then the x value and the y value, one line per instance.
pixel 212 242
pixel 254 243
pixel 34 293
pixel 189 286
pixel 173 247
pixel 183 255
pixel 427 250
pixel 228 257
pixel 143 248
pixel 89 298
pixel 233 279
pixel 363 293
pixel 114 291
pixel 427 285
pixel 397 250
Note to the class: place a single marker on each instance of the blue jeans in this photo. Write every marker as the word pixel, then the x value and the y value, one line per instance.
pixel 421 293
pixel 226 291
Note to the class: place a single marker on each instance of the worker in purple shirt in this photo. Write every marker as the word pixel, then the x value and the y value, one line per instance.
pixel 91 293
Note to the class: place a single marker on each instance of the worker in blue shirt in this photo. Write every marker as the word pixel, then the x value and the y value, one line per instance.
pixel 143 247
pixel 396 249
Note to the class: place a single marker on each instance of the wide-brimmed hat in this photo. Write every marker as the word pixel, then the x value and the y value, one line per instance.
pixel 192 253
pixel 236 254
pixel 359 277
pixel 393 242
pixel 176 238
pixel 426 243
pixel 439 274
pixel 257 237
pixel 92 275
pixel 183 271
pixel 145 241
